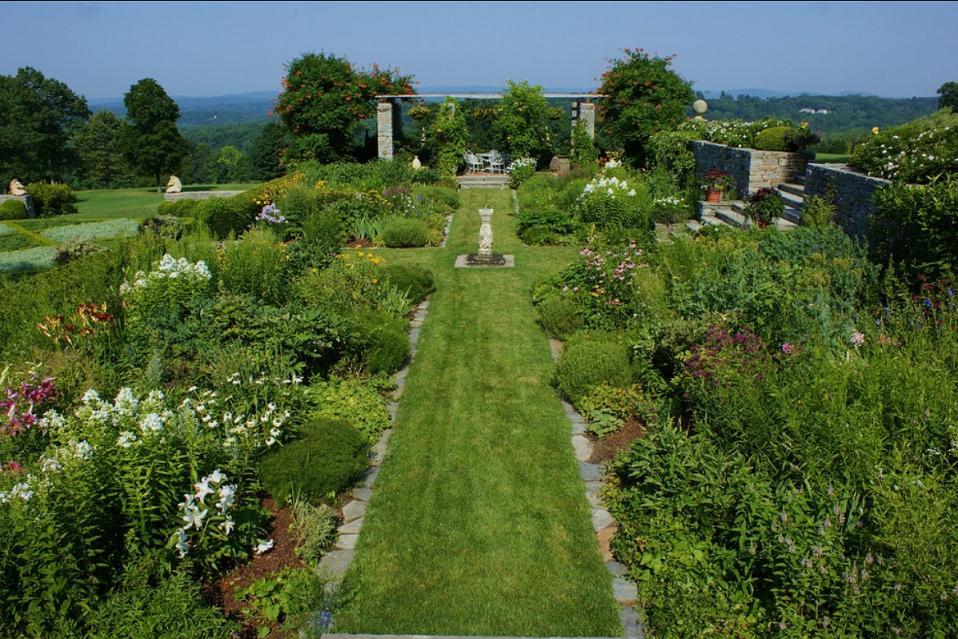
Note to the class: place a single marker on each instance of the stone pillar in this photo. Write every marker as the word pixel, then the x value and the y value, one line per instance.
pixel 384 128
pixel 587 115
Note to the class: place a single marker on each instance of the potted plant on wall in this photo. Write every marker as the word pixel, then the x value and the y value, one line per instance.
pixel 716 182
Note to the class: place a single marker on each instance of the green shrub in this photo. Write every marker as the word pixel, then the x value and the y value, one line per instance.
pixel 52 199
pixel 356 400
pixel 225 215
pixel 917 227
pixel 560 316
pixel 817 211
pixel 772 139
pixel 591 360
pixel 416 281
pixel 165 226
pixel 405 233
pixel 185 207
pixel 255 265
pixel 12 210
pixel 74 250
pixel 763 206
pixel 330 456
pixel 380 342
pixel 604 402
pixel 145 606
pixel 671 151
pixel 448 197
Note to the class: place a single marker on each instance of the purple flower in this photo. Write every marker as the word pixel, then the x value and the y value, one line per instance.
pixel 787 348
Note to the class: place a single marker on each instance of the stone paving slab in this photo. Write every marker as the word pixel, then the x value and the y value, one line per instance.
pixel 354 510
pixel 352 528
pixel 337 561
pixel 462 263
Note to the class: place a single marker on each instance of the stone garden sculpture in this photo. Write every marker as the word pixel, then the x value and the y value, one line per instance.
pixel 16 188
pixel 174 185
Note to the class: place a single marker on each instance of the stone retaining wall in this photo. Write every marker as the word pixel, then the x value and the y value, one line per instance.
pixel 750 168
pixel 198 195
pixel 851 193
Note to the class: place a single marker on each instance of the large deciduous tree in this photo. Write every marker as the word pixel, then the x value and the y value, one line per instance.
pixel 522 120
pixel 153 143
pixel 948 96
pixel 267 152
pixel 99 148
pixel 324 98
pixel 37 117
pixel 644 96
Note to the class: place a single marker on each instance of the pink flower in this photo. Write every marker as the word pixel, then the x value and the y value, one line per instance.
pixel 857 339
pixel 787 348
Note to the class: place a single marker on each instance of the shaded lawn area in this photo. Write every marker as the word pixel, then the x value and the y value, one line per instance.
pixel 478 523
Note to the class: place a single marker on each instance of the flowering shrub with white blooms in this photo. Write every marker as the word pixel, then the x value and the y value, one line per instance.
pixel 915 152
pixel 520 170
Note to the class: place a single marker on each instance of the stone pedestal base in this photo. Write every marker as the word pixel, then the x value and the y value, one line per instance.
pixel 472 261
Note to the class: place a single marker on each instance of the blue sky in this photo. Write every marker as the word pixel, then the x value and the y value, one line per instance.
pixel 201 49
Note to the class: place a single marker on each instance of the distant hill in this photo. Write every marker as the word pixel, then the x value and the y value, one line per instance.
pixel 833 113
pixel 200 111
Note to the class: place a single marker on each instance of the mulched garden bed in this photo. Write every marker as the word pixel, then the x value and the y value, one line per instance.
pixel 606 448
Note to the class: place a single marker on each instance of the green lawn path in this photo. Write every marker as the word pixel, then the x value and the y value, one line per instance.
pixel 478 524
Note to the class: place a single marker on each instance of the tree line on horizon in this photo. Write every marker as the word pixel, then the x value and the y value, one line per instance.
pixel 324 112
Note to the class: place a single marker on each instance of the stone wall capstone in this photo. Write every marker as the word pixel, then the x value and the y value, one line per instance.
pixel 751 169
pixel 851 193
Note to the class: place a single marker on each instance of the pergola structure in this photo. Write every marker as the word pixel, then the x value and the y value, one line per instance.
pixel 388 120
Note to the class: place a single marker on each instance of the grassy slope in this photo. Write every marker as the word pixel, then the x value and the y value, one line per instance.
pixel 478 524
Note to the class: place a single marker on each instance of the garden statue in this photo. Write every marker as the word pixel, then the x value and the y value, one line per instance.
pixel 174 185
pixel 416 164
pixel 485 234
pixel 700 107
pixel 16 188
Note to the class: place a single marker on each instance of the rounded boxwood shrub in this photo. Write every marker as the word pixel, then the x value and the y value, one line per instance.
pixel 12 210
pixel 416 281
pixel 381 342
pixel 589 361
pixel 405 233
pixel 560 316
pixel 330 457
pixel 773 139
pixel 178 208
pixel 225 215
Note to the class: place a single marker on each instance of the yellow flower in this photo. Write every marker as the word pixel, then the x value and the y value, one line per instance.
pixel 874 130
pixel 375 281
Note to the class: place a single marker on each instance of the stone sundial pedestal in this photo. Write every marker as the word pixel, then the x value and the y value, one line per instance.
pixel 485 256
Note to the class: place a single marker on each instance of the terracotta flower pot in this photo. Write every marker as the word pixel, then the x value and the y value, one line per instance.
pixel 713 196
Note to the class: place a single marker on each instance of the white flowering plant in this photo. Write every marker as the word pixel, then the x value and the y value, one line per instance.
pixel 916 152
pixel 163 305
pixel 520 170
pixel 612 202
pixel 110 487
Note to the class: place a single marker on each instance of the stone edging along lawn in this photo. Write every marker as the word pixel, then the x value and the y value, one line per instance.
pixel 337 561
pixel 477 525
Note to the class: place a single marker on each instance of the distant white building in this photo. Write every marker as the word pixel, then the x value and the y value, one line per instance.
pixel 814 111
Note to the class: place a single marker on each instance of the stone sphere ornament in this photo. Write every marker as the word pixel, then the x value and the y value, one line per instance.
pixel 700 106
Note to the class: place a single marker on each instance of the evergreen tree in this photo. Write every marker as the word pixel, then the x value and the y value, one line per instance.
pixel 98 146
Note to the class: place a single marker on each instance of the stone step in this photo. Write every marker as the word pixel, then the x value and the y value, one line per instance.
pixel 795 189
pixel 790 199
pixel 783 224
pixel 797 178
pixel 709 219
pixel 693 226
pixel 792 214
pixel 732 217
